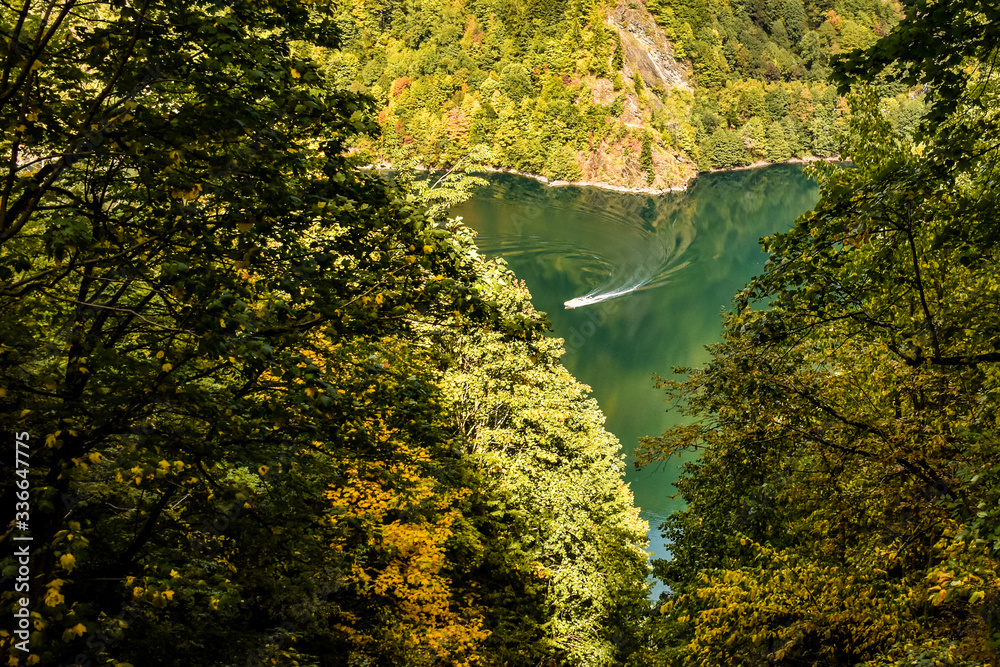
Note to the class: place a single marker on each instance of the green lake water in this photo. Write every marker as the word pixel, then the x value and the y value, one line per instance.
pixel 670 263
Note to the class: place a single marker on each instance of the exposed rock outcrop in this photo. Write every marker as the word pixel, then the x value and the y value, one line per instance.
pixel 647 49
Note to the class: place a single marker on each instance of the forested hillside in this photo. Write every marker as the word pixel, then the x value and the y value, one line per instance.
pixel 635 94
pixel 843 506
pixel 264 406
pixel 261 406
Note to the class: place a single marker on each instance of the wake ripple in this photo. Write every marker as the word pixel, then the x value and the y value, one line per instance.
pixel 617 243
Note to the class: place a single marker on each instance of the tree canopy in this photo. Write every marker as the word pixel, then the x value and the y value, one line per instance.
pixel 626 93
pixel 280 411
pixel 842 508
pixel 228 344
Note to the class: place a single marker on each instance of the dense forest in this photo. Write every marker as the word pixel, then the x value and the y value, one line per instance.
pixel 630 94
pixel 843 506
pixel 262 405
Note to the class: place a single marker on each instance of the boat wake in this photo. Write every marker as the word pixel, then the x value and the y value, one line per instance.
pixel 609 244
pixel 599 295
pixel 648 262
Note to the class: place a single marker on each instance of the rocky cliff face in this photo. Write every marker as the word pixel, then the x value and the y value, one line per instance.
pixel 647 50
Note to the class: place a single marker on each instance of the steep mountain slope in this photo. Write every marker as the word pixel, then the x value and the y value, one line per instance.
pixel 633 94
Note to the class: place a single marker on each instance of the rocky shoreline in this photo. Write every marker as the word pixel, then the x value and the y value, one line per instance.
pixel 629 190
pixel 765 163
pixel 586 184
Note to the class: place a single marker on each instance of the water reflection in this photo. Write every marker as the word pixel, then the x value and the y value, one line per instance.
pixel 672 262
pixel 614 244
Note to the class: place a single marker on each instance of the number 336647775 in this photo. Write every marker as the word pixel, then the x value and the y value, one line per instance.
pixel 21 508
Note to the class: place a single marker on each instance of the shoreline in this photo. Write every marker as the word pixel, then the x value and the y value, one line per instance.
pixel 589 184
pixel 622 188
pixel 764 163
pixel 545 180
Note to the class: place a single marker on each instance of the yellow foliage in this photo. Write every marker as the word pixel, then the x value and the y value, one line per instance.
pixel 405 569
pixel 53 598
pixel 68 562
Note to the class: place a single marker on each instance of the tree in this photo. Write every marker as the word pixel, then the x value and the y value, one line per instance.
pixel 724 149
pixel 794 15
pixel 566 569
pixel 208 322
pixel 845 431
pixel 824 135
pixel 515 82
pixel 230 349
pixel 776 102
pixel 646 157
pixel 913 55
pixel 754 138
pixel 437 194
pixel 777 146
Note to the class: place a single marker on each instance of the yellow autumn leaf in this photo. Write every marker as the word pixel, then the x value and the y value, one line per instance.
pixel 53 598
pixel 78 629
pixel 68 562
pixel 168 594
pixel 166 368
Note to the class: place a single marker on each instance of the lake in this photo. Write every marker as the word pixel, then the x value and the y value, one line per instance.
pixel 655 272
